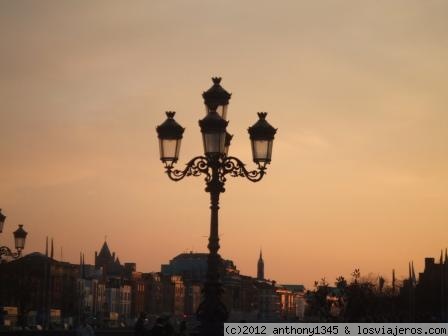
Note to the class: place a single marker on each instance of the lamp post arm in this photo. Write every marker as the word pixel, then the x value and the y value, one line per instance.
pixel 6 251
pixel 235 167
pixel 195 167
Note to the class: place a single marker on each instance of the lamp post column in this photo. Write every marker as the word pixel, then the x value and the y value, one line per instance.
pixel 212 313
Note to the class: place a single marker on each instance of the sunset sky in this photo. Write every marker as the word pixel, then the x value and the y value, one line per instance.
pixel 357 89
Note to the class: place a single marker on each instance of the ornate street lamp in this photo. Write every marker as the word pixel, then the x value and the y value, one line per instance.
pixel 19 240
pixel 216 165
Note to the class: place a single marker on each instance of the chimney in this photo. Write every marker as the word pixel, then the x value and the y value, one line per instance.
pixel 428 263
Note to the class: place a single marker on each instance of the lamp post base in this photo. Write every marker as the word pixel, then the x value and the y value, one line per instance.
pixel 212 313
pixel 212 322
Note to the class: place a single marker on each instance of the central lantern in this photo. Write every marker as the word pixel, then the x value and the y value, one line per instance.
pixel 214 134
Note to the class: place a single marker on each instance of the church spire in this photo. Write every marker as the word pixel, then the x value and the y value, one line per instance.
pixel 393 281
pixel 260 267
pixel 414 279
pixel 46 247
pixel 446 256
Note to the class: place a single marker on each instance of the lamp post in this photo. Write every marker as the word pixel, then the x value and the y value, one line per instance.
pixel 215 165
pixel 19 240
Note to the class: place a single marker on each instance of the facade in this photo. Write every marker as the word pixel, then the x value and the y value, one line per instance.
pixel 153 293
pixel 173 296
pixel 118 301
pixel 111 294
pixel 269 302
pixel 299 299
pixel 292 302
pixel 137 294
pixel 431 290
pixel 92 297
pixel 193 296
pixel 108 291
pixel 35 284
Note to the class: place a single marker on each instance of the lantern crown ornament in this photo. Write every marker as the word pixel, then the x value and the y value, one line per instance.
pixel 170 129
pixel 262 130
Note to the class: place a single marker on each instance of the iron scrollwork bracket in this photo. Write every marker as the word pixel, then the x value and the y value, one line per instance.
pixel 226 165
pixel 236 168
pixel 6 251
pixel 195 167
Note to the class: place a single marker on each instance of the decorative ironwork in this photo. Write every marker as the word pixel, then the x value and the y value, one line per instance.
pixel 225 166
pixel 195 167
pixel 6 251
pixel 236 168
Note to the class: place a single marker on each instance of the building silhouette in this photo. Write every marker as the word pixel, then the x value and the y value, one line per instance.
pixel 109 263
pixel 43 290
pixel 431 291
pixel 425 299
pixel 246 297
pixel 39 287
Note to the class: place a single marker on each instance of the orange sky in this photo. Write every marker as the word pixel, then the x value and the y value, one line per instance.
pixel 358 91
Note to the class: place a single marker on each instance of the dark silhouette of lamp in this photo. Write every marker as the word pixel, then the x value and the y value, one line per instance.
pixel 216 165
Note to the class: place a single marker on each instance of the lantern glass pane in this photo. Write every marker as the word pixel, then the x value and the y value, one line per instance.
pixel 20 243
pixel 169 149
pixel 214 143
pixel 262 150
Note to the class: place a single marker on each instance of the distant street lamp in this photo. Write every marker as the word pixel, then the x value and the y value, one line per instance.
pixel 215 165
pixel 19 240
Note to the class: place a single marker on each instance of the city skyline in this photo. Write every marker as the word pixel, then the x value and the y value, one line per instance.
pixel 56 252
pixel 359 174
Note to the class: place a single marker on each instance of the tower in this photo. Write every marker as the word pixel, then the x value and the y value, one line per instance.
pixel 260 267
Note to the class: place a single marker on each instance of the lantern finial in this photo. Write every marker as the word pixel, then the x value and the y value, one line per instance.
pixel 170 114
pixel 262 115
